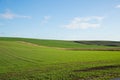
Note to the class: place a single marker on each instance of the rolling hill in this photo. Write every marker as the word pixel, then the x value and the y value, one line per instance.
pixel 66 44
pixel 30 59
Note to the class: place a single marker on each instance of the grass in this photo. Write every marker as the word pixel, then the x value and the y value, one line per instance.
pixel 55 43
pixel 20 61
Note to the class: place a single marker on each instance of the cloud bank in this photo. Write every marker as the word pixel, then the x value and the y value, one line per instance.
pixel 118 6
pixel 9 15
pixel 85 22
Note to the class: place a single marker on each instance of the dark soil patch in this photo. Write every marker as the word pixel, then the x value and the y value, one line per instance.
pixel 93 49
pixel 116 79
pixel 98 68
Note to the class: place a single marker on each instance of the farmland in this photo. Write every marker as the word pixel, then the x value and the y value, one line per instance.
pixel 34 59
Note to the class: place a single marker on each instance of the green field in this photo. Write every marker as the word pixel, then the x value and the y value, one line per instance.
pixel 34 59
pixel 55 43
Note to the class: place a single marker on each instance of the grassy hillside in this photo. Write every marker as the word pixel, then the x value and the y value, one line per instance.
pixel 56 43
pixel 20 61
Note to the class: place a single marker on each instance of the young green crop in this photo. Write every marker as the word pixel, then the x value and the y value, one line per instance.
pixel 21 61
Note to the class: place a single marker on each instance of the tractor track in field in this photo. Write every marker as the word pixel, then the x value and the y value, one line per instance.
pixel 11 53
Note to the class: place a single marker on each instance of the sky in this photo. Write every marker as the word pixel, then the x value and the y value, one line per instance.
pixel 61 19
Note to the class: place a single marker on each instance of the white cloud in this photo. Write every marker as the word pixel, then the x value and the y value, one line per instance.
pixel 45 19
pixel 9 15
pixel 118 6
pixel 85 22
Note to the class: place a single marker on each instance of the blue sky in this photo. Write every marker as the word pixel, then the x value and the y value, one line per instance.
pixel 61 19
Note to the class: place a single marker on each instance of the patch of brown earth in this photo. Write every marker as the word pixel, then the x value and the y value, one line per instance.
pixel 94 49
pixel 98 68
